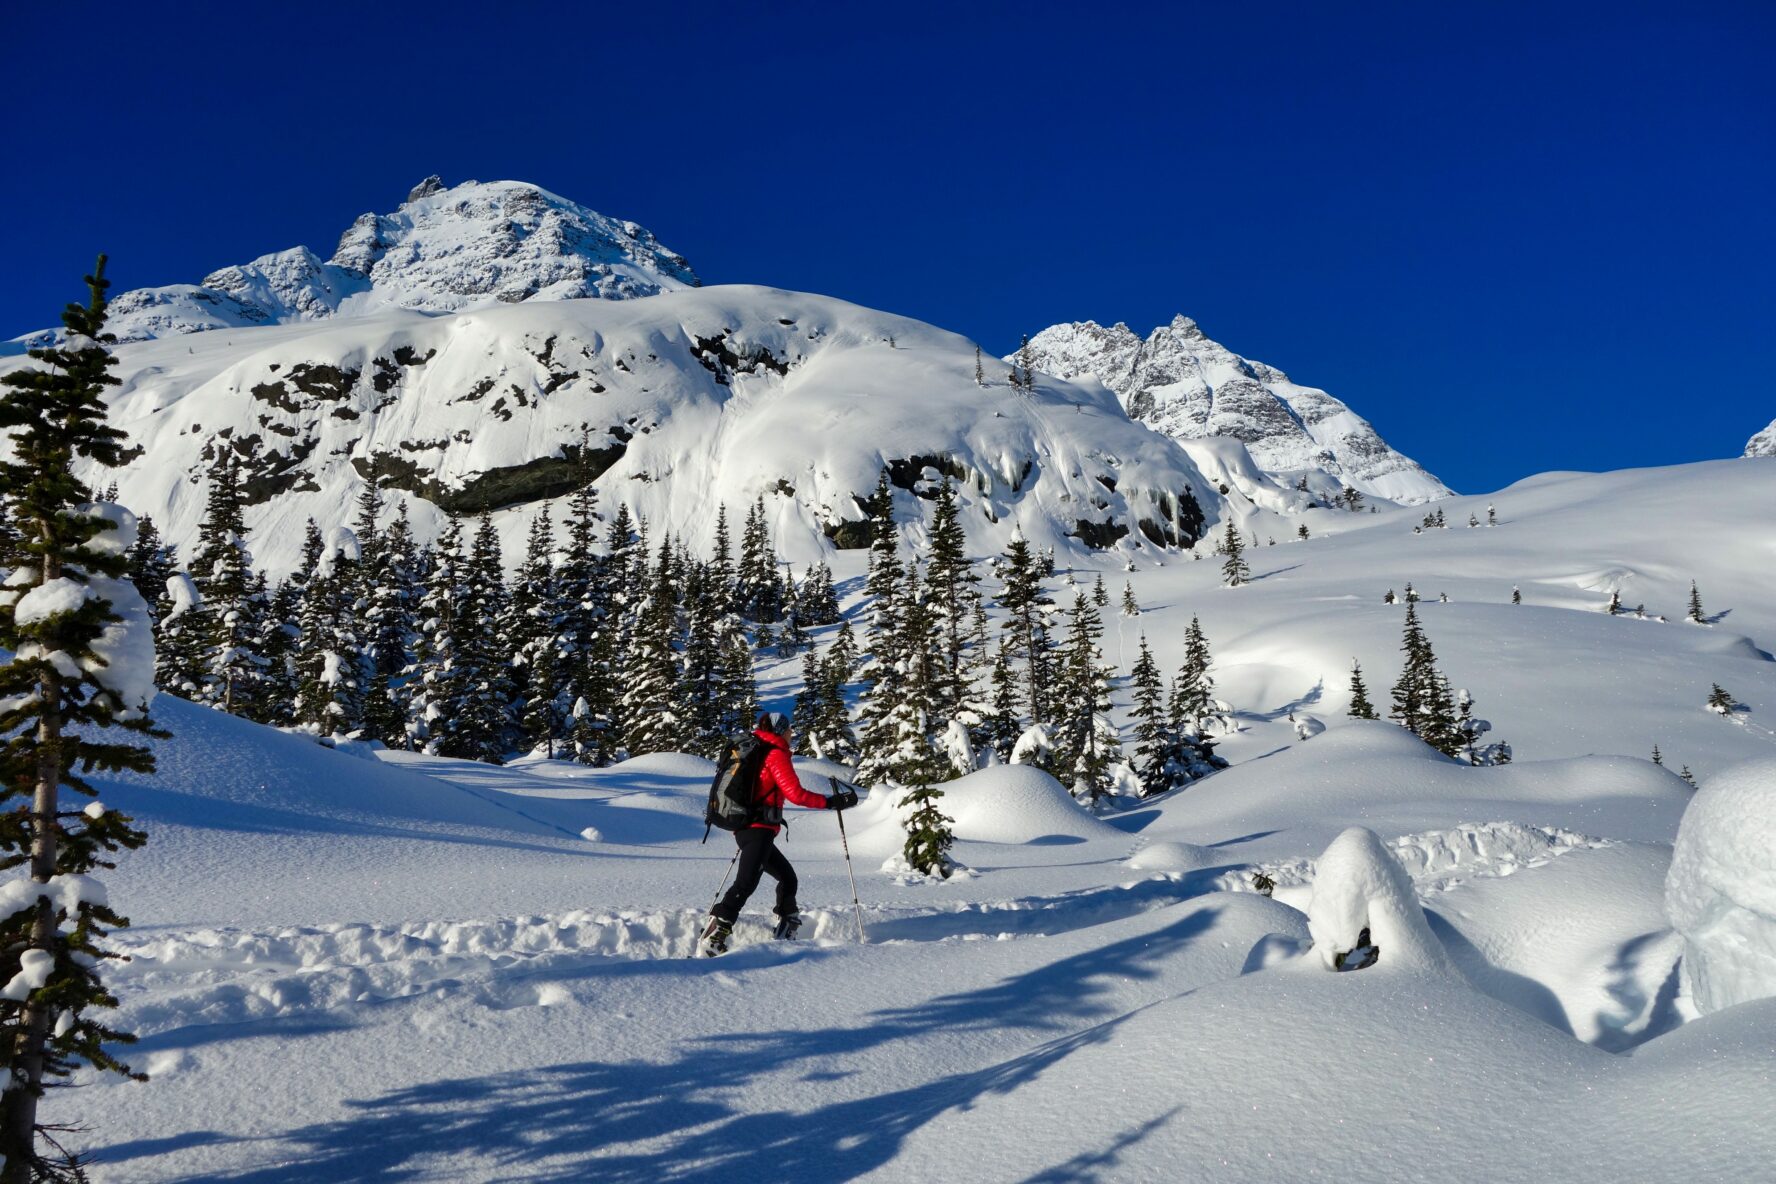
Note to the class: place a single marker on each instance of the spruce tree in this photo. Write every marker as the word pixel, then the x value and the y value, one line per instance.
pixel 1234 569
pixel 1151 727
pixel 1003 725
pixel 1360 706
pixel 884 672
pixel 1695 615
pixel 1720 701
pixel 391 599
pixel 1422 701
pixel 949 581
pixel 233 605
pixel 534 626
pixel 329 654
pixel 1658 758
pixel 1193 691
pixel 1086 743
pixel 758 590
pixel 980 378
pixel 152 562
pixel 701 696
pixel 481 727
pixel 1130 606
pixel 81 665
pixel 434 679
pixel 650 713
pixel 181 639
pixel 1025 602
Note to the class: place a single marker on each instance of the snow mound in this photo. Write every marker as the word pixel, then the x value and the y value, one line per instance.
pixel 1360 887
pixel 1173 857
pixel 667 764
pixel 1721 891
pixel 1017 804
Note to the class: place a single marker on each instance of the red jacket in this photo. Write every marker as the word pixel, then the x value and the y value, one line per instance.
pixel 778 782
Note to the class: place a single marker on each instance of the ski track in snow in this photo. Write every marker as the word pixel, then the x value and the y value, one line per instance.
pixel 214 976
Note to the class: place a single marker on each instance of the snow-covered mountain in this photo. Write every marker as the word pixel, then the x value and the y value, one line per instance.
pixel 675 403
pixel 1762 444
pixel 444 250
pixel 1191 387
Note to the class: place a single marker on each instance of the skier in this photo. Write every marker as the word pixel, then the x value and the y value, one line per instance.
pixel 777 781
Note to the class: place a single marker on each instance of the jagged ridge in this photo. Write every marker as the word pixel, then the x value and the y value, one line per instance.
pixel 1191 387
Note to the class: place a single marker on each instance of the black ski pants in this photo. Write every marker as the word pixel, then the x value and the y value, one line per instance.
pixel 758 855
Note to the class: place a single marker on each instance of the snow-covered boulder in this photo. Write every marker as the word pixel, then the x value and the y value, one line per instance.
pixel 1721 891
pixel 1363 901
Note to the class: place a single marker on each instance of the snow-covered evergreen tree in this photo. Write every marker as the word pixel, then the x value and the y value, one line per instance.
pixel 534 626
pixel 330 651
pixel 651 718
pixel 1360 706
pixel 392 590
pixel 758 588
pixel 1026 606
pixel 1423 701
pixel 1234 569
pixel 1694 615
pixel 81 664
pixel 152 562
pixel 1086 742
pixel 233 608
pixel 949 583
pixel 434 679
pixel 1193 690
pixel 480 728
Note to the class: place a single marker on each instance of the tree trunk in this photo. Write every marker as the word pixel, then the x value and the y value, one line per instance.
pixel 18 1110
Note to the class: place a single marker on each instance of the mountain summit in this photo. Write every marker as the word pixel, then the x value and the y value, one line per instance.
pixel 472 245
pixel 1762 444
pixel 1190 387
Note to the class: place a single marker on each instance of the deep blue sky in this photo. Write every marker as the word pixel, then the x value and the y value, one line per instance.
pixel 1516 238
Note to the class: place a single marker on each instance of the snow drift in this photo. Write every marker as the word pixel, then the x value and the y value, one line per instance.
pixel 1721 893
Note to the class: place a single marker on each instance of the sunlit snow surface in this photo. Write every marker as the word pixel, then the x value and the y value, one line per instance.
pixel 351 968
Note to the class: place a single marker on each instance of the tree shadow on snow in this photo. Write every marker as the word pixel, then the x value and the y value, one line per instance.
pixel 708 1114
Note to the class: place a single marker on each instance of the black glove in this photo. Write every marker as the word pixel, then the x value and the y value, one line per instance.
pixel 842 799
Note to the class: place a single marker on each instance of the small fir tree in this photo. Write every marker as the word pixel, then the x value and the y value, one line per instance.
pixel 1234 569
pixel 1360 706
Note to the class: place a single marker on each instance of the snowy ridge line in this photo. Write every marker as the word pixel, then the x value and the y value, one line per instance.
pixel 1439 860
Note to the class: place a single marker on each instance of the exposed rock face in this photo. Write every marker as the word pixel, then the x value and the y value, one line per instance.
pixel 443 250
pixel 1762 444
pixel 1190 387
pixel 671 405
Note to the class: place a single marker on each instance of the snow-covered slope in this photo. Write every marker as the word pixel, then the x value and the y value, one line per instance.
pixel 676 403
pixel 1762 444
pixel 1190 387
pixel 461 972
pixel 444 249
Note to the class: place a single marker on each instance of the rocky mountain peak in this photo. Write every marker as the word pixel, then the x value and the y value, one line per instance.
pixel 1180 381
pixel 1762 444
pixel 425 188
pixel 446 249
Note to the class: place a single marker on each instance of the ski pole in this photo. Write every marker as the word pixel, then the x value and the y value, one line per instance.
pixel 716 899
pixel 846 844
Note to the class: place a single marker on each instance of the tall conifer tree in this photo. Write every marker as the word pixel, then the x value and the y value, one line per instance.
pixel 82 661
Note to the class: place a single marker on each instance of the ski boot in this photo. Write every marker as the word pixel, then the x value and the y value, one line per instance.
pixel 787 926
pixel 715 937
